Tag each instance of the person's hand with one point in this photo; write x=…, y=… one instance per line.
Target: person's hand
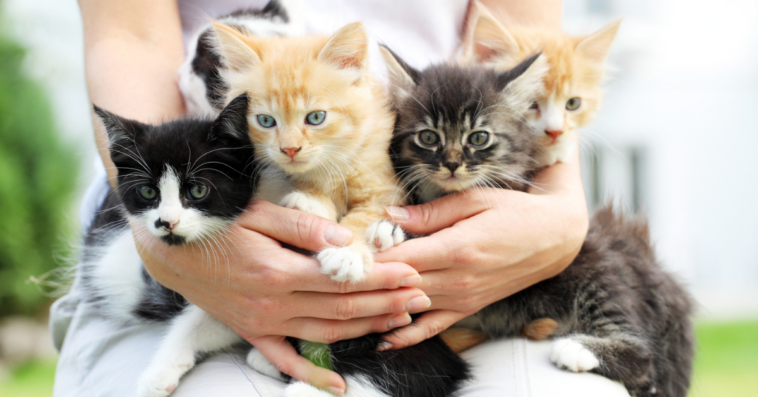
x=265, y=292
x=488, y=244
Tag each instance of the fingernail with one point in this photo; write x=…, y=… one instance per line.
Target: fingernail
x=411, y=281
x=383, y=346
x=418, y=303
x=337, y=235
x=335, y=390
x=397, y=213
x=400, y=320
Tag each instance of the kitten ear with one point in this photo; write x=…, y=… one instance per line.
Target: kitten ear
x=595, y=46
x=400, y=73
x=524, y=83
x=232, y=122
x=347, y=49
x=230, y=44
x=118, y=128
x=485, y=38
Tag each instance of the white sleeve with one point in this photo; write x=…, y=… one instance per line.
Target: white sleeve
x=94, y=195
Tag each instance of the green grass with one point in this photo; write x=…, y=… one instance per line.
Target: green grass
x=726, y=365
x=33, y=379
x=726, y=362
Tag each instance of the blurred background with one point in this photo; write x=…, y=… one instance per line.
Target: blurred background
x=673, y=139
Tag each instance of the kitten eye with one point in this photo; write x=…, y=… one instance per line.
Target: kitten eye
x=198, y=191
x=147, y=192
x=573, y=103
x=534, y=106
x=266, y=121
x=479, y=138
x=428, y=137
x=315, y=118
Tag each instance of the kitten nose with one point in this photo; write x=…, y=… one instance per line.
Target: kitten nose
x=452, y=166
x=291, y=151
x=554, y=134
x=168, y=225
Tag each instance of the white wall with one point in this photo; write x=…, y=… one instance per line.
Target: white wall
x=686, y=89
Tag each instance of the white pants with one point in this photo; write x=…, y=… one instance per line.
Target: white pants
x=98, y=359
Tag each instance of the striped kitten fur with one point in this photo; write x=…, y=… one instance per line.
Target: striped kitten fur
x=200, y=80
x=615, y=312
x=571, y=95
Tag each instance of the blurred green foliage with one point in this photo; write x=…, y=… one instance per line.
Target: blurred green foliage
x=32, y=379
x=726, y=360
x=37, y=181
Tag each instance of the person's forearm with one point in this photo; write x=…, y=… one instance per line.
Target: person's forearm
x=133, y=49
x=538, y=13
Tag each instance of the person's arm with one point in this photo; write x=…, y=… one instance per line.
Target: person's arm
x=133, y=49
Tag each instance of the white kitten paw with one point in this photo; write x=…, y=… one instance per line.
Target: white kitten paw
x=383, y=235
x=572, y=355
x=161, y=380
x=302, y=202
x=345, y=263
x=258, y=362
x=302, y=389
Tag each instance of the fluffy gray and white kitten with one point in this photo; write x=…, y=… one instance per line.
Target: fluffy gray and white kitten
x=199, y=78
x=613, y=311
x=181, y=182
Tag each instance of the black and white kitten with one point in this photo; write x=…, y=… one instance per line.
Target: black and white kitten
x=615, y=311
x=182, y=182
x=199, y=78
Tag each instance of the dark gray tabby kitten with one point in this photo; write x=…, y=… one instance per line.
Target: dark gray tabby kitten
x=615, y=311
x=181, y=182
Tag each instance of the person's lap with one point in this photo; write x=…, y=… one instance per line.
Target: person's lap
x=100, y=359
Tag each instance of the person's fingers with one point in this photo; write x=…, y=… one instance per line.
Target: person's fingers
x=438, y=251
x=424, y=327
x=330, y=331
x=285, y=358
x=301, y=229
x=382, y=276
x=359, y=304
x=445, y=211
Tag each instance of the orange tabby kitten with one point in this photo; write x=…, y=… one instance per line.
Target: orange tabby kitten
x=572, y=85
x=317, y=114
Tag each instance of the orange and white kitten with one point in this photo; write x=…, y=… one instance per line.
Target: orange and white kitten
x=572, y=85
x=317, y=114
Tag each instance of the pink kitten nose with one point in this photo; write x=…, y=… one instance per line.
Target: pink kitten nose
x=169, y=225
x=554, y=134
x=291, y=151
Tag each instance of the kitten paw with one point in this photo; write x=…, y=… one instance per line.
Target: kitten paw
x=302, y=389
x=258, y=362
x=345, y=263
x=572, y=355
x=383, y=235
x=302, y=202
x=161, y=380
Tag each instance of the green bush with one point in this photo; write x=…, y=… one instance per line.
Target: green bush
x=37, y=179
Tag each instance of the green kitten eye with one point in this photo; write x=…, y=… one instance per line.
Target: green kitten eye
x=198, y=191
x=428, y=137
x=315, y=118
x=147, y=192
x=573, y=103
x=479, y=138
x=266, y=121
